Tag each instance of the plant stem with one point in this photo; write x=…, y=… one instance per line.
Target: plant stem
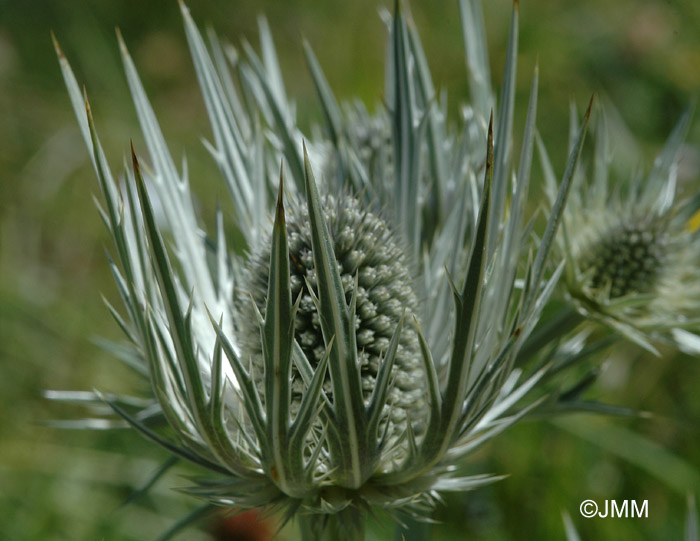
x=347, y=525
x=306, y=530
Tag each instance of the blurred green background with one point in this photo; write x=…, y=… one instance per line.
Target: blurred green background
x=55, y=485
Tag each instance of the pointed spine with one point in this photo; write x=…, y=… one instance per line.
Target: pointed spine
x=336, y=321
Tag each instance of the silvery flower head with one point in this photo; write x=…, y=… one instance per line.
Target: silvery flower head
x=363, y=341
x=632, y=244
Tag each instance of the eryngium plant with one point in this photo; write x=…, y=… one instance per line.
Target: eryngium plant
x=362, y=347
x=632, y=245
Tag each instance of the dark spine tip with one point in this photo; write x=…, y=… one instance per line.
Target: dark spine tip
x=308, y=180
x=280, y=195
x=134, y=160
x=489, y=143
x=488, y=173
x=516, y=5
x=57, y=47
x=590, y=107
x=122, y=43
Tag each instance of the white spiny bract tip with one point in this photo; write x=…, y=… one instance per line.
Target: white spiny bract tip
x=333, y=404
x=57, y=47
x=122, y=44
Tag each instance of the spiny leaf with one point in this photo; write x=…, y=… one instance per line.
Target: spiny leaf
x=336, y=321
x=381, y=388
x=278, y=335
x=558, y=208
x=182, y=338
x=470, y=298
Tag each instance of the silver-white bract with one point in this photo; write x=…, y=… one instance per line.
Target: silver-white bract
x=455, y=200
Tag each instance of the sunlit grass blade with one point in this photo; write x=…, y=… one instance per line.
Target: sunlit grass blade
x=570, y=529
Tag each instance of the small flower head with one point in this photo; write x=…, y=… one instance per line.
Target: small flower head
x=633, y=253
x=627, y=258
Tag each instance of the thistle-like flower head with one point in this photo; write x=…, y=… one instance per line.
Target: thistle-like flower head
x=633, y=249
x=628, y=258
x=374, y=275
x=365, y=344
